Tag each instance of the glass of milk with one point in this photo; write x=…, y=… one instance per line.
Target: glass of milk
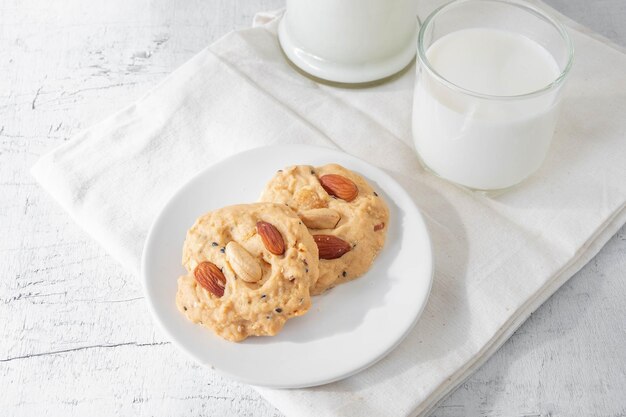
x=349, y=41
x=489, y=80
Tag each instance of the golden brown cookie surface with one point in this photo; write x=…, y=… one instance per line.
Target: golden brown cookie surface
x=346, y=217
x=250, y=269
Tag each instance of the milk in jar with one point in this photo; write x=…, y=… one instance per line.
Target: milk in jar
x=350, y=41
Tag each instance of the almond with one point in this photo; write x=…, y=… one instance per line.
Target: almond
x=321, y=218
x=243, y=263
x=272, y=239
x=211, y=278
x=378, y=227
x=339, y=186
x=331, y=247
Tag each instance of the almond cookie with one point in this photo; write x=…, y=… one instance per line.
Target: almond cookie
x=346, y=217
x=250, y=268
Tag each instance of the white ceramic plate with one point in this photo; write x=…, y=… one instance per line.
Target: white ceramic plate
x=346, y=330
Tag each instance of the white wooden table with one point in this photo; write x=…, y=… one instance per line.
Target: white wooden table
x=77, y=338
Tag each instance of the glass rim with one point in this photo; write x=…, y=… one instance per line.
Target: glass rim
x=421, y=52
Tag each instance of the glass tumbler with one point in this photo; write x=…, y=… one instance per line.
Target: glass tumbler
x=490, y=77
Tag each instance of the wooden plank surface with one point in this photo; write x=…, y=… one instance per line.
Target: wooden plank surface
x=77, y=338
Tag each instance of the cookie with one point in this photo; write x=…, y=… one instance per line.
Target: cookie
x=346, y=217
x=250, y=269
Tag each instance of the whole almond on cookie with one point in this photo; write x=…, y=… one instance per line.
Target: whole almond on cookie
x=272, y=239
x=243, y=263
x=321, y=218
x=331, y=247
x=339, y=186
x=211, y=278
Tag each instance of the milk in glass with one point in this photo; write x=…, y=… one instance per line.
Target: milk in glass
x=473, y=128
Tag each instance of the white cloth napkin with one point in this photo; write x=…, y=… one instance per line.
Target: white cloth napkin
x=497, y=259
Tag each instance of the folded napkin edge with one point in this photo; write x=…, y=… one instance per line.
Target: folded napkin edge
x=584, y=256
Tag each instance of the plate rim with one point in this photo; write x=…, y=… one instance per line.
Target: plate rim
x=251, y=381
